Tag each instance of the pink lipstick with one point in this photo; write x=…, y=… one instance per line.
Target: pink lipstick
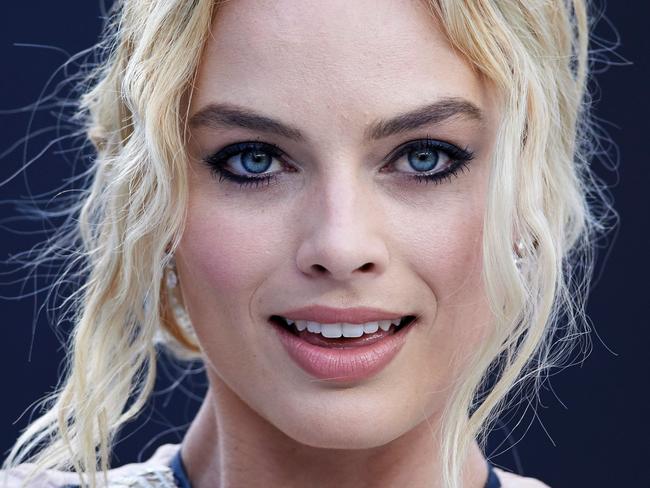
x=343, y=359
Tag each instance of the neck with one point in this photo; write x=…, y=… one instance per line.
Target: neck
x=230, y=445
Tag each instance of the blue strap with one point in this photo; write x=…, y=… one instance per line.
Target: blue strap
x=492, y=481
x=180, y=473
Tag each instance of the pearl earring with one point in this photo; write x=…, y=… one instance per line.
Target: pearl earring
x=180, y=314
x=518, y=254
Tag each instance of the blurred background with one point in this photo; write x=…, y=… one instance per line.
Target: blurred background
x=591, y=428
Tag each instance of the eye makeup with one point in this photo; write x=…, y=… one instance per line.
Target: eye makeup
x=235, y=162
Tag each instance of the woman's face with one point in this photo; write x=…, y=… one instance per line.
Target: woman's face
x=350, y=93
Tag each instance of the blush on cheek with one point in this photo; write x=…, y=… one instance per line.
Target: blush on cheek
x=463, y=318
x=461, y=269
x=451, y=264
x=220, y=252
x=450, y=255
x=231, y=245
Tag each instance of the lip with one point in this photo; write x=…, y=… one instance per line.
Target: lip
x=343, y=365
x=330, y=315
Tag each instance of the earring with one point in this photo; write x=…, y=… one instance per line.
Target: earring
x=178, y=310
x=518, y=253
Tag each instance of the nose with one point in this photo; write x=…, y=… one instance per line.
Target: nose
x=342, y=233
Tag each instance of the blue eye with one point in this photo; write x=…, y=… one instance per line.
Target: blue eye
x=422, y=160
x=431, y=159
x=243, y=157
x=255, y=161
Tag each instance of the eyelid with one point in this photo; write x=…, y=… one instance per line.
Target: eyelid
x=235, y=148
x=238, y=147
x=454, y=151
x=458, y=159
x=221, y=156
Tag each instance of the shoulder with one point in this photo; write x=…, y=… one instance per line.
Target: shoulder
x=512, y=480
x=155, y=470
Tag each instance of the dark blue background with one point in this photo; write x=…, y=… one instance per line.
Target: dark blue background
x=589, y=430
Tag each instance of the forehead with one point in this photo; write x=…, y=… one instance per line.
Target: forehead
x=325, y=63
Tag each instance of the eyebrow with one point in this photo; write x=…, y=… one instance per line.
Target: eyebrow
x=225, y=115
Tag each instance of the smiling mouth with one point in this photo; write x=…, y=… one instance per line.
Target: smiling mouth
x=314, y=333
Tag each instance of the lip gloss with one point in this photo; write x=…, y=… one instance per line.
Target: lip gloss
x=343, y=364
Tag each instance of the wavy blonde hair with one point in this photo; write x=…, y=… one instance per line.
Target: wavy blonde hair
x=129, y=222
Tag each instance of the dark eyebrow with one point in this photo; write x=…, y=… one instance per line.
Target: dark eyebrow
x=219, y=115
x=433, y=113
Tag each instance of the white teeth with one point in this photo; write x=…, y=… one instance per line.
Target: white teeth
x=371, y=327
x=353, y=330
x=314, y=327
x=385, y=324
x=344, y=329
x=331, y=331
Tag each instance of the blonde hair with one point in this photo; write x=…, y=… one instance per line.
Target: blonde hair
x=131, y=218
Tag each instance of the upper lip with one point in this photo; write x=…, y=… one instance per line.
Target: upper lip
x=330, y=315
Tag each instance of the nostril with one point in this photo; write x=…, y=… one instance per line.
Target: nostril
x=366, y=267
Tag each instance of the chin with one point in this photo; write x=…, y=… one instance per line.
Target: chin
x=338, y=431
x=350, y=438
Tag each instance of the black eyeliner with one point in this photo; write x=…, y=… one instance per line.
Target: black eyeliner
x=216, y=162
x=459, y=160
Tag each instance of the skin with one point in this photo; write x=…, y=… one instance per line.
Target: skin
x=333, y=229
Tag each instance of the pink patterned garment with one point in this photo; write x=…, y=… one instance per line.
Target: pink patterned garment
x=153, y=473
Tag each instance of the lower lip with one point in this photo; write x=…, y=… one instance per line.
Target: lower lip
x=342, y=365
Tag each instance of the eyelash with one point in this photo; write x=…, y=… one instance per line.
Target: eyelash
x=458, y=160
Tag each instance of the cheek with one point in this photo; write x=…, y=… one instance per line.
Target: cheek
x=457, y=281
x=450, y=254
x=445, y=252
x=452, y=269
x=227, y=250
x=225, y=256
x=462, y=321
x=441, y=242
